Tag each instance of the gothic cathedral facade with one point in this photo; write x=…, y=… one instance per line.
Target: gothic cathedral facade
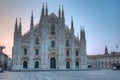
x=49, y=45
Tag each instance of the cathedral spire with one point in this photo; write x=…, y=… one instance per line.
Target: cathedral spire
x=59, y=12
x=62, y=12
x=72, y=25
x=72, y=28
x=20, y=32
x=42, y=13
x=82, y=33
x=106, y=50
x=46, y=10
x=16, y=26
x=32, y=21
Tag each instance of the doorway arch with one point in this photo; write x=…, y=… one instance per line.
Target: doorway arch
x=77, y=64
x=67, y=65
x=36, y=64
x=53, y=63
x=25, y=64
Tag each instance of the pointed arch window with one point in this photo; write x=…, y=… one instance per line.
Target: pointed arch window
x=37, y=41
x=52, y=29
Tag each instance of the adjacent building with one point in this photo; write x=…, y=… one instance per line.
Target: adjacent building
x=4, y=59
x=104, y=61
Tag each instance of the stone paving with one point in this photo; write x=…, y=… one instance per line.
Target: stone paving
x=62, y=75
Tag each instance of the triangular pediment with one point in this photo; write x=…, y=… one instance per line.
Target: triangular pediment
x=52, y=15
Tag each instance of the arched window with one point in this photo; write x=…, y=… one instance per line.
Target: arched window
x=25, y=51
x=67, y=42
x=67, y=53
x=37, y=41
x=52, y=29
x=37, y=51
x=53, y=44
x=76, y=53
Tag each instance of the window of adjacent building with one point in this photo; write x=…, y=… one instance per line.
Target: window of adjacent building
x=53, y=44
x=53, y=30
x=67, y=53
x=67, y=42
x=76, y=53
x=37, y=41
x=25, y=51
x=37, y=51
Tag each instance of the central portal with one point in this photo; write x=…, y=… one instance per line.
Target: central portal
x=53, y=63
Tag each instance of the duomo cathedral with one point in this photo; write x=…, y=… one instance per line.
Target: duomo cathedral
x=49, y=45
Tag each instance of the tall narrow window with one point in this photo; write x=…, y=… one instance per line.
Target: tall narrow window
x=37, y=41
x=53, y=44
x=52, y=29
x=67, y=53
x=25, y=51
x=37, y=51
x=67, y=42
x=76, y=53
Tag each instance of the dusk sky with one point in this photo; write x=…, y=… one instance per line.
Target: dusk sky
x=101, y=19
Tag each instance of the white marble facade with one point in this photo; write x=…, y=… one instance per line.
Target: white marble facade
x=50, y=44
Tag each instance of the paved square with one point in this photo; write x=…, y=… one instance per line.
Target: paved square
x=62, y=75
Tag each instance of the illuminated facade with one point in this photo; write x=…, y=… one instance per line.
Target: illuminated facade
x=50, y=44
